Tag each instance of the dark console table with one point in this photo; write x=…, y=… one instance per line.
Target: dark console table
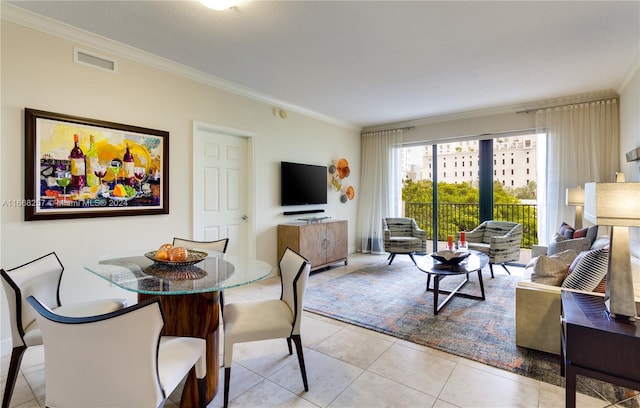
x=597, y=346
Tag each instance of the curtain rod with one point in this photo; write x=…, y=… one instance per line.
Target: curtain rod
x=568, y=104
x=387, y=130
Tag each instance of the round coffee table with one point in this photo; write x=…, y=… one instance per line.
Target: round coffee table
x=473, y=263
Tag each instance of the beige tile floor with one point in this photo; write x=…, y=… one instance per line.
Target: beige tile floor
x=347, y=366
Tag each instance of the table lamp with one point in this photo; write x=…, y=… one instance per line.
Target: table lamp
x=617, y=205
x=575, y=197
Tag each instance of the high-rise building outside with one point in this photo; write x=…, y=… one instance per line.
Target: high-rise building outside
x=514, y=162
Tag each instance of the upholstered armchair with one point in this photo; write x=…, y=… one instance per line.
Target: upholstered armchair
x=500, y=240
x=402, y=236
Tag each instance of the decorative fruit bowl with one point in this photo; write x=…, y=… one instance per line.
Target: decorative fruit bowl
x=165, y=271
x=193, y=257
x=450, y=257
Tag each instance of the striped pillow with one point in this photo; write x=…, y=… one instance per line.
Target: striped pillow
x=587, y=270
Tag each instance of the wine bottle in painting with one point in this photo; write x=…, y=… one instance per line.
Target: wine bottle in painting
x=128, y=168
x=91, y=161
x=77, y=166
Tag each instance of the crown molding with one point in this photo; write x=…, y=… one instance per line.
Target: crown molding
x=17, y=15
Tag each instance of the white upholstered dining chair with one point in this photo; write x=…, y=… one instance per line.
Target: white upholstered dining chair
x=269, y=319
x=40, y=277
x=117, y=359
x=219, y=245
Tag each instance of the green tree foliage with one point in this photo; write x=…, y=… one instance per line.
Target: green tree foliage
x=458, y=207
x=420, y=191
x=527, y=192
x=502, y=195
x=457, y=193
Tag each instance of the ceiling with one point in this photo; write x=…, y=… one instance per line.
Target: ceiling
x=366, y=63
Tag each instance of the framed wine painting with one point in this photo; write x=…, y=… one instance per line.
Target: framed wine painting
x=82, y=168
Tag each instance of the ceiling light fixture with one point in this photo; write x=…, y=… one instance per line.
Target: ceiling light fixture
x=219, y=4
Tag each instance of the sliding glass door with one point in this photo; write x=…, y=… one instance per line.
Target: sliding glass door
x=515, y=183
x=455, y=186
x=441, y=189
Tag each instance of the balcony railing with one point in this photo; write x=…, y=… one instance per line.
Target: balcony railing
x=455, y=217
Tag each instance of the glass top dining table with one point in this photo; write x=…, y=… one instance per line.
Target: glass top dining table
x=190, y=298
x=216, y=272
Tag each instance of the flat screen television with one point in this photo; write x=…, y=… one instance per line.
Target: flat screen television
x=302, y=184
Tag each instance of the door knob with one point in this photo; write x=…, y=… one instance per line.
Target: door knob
x=244, y=218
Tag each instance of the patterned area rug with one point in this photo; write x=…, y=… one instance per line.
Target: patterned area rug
x=392, y=300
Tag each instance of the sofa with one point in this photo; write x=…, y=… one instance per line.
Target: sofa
x=550, y=268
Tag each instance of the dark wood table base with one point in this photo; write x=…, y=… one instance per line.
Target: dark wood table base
x=455, y=292
x=194, y=315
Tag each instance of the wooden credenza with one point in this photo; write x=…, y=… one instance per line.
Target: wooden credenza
x=322, y=243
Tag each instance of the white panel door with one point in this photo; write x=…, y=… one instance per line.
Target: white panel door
x=221, y=187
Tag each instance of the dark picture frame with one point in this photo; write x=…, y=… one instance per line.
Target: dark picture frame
x=98, y=180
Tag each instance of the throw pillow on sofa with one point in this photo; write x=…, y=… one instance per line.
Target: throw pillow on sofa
x=561, y=244
x=588, y=270
x=568, y=232
x=569, y=238
x=551, y=270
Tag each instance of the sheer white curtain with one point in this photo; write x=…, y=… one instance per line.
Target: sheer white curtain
x=380, y=187
x=583, y=145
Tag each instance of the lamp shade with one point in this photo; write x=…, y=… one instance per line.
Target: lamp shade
x=575, y=196
x=612, y=204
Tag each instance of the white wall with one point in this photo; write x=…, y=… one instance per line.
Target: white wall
x=630, y=125
x=472, y=127
x=630, y=139
x=464, y=126
x=38, y=72
x=630, y=133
